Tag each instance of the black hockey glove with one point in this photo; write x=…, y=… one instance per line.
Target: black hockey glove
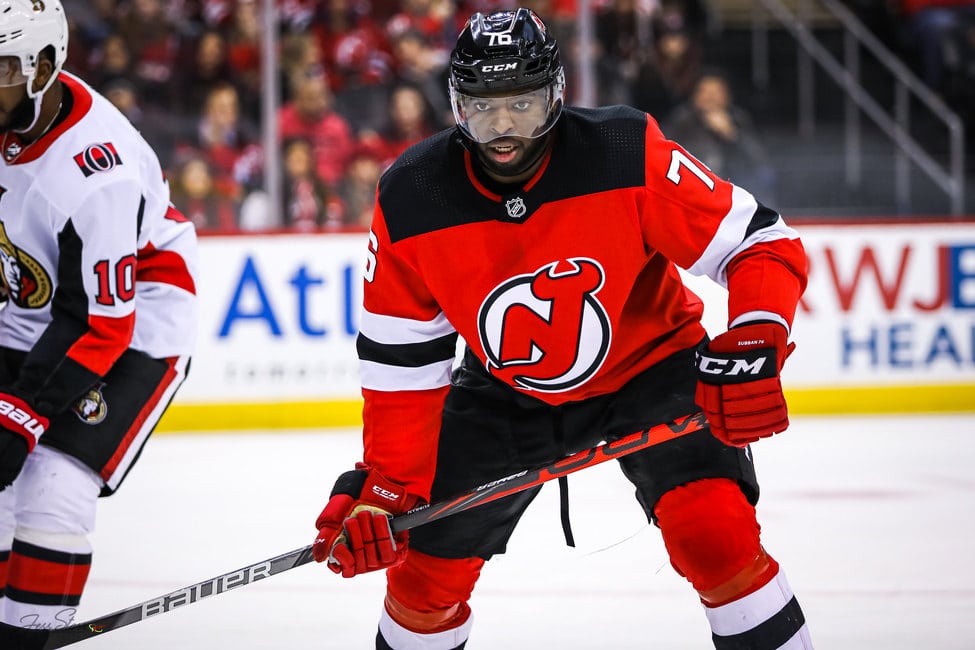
x=20, y=429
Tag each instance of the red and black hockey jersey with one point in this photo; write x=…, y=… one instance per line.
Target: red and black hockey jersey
x=564, y=287
x=95, y=260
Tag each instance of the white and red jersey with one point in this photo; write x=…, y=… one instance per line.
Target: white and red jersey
x=565, y=287
x=95, y=260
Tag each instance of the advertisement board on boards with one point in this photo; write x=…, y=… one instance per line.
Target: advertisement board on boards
x=887, y=323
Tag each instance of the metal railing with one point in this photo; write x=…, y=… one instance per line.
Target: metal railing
x=895, y=124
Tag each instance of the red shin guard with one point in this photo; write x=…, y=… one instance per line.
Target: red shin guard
x=712, y=536
x=426, y=594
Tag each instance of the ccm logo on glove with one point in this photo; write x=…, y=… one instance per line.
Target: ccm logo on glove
x=385, y=494
x=738, y=384
x=354, y=530
x=733, y=368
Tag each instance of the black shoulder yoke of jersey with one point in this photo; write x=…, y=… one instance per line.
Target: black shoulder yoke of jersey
x=596, y=150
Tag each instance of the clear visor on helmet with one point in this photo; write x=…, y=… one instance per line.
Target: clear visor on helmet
x=528, y=115
x=10, y=72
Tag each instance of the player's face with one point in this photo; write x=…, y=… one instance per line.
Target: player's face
x=16, y=108
x=10, y=72
x=488, y=118
x=510, y=133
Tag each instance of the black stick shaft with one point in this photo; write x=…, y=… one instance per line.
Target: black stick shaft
x=51, y=639
x=524, y=480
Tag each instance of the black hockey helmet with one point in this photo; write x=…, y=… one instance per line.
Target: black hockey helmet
x=506, y=54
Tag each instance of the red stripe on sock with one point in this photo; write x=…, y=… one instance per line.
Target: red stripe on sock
x=4, y=567
x=46, y=577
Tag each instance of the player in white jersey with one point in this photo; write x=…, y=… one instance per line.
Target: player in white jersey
x=100, y=314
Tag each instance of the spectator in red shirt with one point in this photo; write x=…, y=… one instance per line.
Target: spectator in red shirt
x=308, y=205
x=197, y=196
x=310, y=115
x=228, y=143
x=341, y=27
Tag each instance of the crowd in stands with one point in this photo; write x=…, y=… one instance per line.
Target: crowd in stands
x=360, y=81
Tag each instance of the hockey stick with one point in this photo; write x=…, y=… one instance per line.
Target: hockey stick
x=29, y=639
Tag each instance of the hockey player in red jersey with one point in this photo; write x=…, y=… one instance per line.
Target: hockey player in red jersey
x=548, y=238
x=98, y=278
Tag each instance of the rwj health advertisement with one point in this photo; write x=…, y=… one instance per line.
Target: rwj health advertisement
x=887, y=324
x=888, y=320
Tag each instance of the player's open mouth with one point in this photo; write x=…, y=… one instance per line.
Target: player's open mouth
x=503, y=152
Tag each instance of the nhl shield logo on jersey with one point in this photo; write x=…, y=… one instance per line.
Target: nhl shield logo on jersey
x=97, y=158
x=12, y=150
x=92, y=409
x=547, y=331
x=25, y=282
x=516, y=207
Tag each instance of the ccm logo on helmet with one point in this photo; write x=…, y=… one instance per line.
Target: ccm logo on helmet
x=500, y=67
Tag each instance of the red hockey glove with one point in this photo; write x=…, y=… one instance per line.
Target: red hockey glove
x=20, y=429
x=738, y=384
x=354, y=533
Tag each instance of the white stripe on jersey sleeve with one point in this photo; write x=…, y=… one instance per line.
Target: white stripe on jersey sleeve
x=381, y=376
x=729, y=240
x=392, y=330
x=757, y=315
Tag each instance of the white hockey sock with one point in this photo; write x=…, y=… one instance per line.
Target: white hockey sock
x=400, y=638
x=767, y=619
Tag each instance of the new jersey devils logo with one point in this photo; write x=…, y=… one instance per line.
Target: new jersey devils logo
x=547, y=331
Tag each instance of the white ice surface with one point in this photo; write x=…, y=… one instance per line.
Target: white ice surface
x=870, y=517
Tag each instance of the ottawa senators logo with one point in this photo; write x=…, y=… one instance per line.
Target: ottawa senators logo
x=97, y=158
x=25, y=282
x=91, y=409
x=547, y=331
